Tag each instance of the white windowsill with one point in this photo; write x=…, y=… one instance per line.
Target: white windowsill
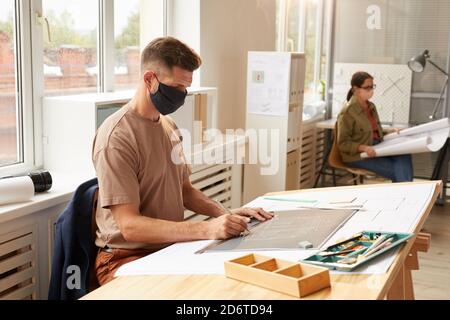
x=64, y=185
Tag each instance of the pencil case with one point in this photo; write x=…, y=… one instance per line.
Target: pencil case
x=350, y=254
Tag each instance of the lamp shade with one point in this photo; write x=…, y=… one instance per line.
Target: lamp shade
x=418, y=63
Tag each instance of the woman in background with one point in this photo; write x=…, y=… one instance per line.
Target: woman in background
x=359, y=129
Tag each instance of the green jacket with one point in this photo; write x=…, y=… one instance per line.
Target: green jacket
x=354, y=129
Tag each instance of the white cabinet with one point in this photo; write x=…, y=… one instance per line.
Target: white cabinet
x=275, y=89
x=69, y=126
x=70, y=123
x=312, y=152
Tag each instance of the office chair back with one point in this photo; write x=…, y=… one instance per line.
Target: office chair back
x=93, y=283
x=74, y=246
x=335, y=159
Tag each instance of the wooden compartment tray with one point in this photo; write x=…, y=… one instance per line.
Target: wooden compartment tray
x=287, y=277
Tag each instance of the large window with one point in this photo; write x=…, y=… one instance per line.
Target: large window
x=294, y=27
x=54, y=48
x=127, y=43
x=70, y=55
x=9, y=103
x=305, y=25
x=392, y=32
x=311, y=36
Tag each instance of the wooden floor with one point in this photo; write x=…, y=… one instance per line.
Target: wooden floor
x=432, y=281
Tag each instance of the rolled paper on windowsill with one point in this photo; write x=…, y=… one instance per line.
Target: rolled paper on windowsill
x=14, y=190
x=22, y=188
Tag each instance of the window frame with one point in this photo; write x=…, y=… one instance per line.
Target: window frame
x=282, y=44
x=28, y=42
x=24, y=92
x=106, y=44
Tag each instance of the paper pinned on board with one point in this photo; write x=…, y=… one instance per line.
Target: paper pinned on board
x=268, y=83
x=429, y=137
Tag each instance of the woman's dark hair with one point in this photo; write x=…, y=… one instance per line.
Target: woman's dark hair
x=357, y=81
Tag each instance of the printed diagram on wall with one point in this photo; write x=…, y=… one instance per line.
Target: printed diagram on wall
x=392, y=95
x=268, y=83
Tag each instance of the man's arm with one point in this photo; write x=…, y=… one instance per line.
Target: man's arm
x=198, y=202
x=138, y=228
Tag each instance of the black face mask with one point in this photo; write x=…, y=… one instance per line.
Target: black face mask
x=167, y=99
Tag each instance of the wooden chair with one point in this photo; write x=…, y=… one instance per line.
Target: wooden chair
x=335, y=162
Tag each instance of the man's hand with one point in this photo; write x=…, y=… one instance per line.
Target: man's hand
x=232, y=225
x=226, y=226
x=257, y=213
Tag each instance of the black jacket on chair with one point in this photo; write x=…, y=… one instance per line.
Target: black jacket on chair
x=73, y=246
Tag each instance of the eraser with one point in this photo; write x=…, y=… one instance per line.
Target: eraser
x=305, y=245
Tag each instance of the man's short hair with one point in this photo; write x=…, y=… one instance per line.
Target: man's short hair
x=169, y=52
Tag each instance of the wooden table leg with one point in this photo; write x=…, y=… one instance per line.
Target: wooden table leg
x=397, y=291
x=409, y=286
x=402, y=287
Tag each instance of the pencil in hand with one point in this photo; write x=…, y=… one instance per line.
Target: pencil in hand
x=247, y=232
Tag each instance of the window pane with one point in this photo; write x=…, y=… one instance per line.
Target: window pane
x=408, y=27
x=70, y=58
x=324, y=50
x=293, y=25
x=8, y=99
x=126, y=36
x=310, y=49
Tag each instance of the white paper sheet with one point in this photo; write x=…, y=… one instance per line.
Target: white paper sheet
x=429, y=137
x=268, y=83
x=394, y=208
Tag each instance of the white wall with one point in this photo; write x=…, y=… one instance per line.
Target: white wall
x=407, y=28
x=184, y=18
x=184, y=24
x=152, y=21
x=223, y=32
x=229, y=30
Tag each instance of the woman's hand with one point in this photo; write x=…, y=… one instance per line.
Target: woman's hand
x=367, y=149
x=394, y=130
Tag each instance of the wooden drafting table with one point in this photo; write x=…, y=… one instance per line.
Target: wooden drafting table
x=395, y=284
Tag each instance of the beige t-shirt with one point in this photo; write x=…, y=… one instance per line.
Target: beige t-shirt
x=132, y=156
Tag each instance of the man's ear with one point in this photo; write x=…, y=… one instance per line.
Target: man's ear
x=149, y=79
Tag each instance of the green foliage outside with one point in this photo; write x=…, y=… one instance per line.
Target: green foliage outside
x=8, y=26
x=130, y=34
x=62, y=31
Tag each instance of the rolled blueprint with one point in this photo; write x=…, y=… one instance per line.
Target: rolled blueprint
x=18, y=189
x=423, y=128
x=419, y=143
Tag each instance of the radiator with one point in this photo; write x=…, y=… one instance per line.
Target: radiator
x=18, y=264
x=215, y=182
